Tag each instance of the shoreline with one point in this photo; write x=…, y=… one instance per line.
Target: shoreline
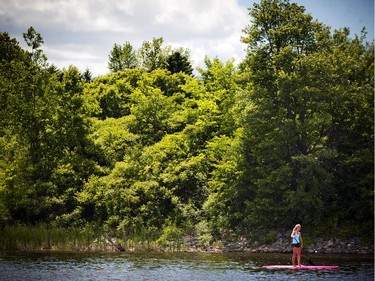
x=89, y=240
x=318, y=246
x=352, y=246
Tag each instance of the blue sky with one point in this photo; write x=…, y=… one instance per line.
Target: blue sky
x=83, y=32
x=354, y=14
x=337, y=14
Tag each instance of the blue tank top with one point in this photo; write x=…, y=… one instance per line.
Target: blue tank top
x=296, y=238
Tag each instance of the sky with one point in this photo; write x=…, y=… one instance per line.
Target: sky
x=83, y=32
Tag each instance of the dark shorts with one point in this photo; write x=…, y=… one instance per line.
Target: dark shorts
x=296, y=245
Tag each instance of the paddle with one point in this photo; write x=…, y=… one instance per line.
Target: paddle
x=309, y=259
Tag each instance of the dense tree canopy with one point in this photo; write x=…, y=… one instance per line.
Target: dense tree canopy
x=284, y=137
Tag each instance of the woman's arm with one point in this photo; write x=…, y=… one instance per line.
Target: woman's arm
x=300, y=240
x=292, y=234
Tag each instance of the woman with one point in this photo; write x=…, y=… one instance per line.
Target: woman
x=297, y=244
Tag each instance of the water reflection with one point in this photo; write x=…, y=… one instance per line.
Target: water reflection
x=174, y=266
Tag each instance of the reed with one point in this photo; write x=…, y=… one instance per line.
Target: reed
x=139, y=239
x=44, y=237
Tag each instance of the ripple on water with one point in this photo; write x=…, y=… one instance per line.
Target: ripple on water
x=172, y=266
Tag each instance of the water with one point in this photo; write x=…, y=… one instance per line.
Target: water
x=175, y=266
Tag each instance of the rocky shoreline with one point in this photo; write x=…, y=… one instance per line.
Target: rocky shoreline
x=282, y=245
x=321, y=246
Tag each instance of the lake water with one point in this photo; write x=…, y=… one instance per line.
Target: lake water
x=175, y=266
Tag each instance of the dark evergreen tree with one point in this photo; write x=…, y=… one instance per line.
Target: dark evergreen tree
x=87, y=75
x=176, y=62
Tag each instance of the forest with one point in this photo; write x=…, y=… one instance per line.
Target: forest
x=152, y=148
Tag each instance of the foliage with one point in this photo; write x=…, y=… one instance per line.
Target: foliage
x=122, y=57
x=153, y=153
x=44, y=237
x=177, y=62
x=34, y=40
x=297, y=99
x=152, y=55
x=171, y=236
x=43, y=137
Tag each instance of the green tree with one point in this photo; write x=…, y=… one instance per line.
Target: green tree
x=153, y=54
x=176, y=62
x=225, y=204
x=351, y=132
x=109, y=96
x=15, y=111
x=122, y=57
x=34, y=40
x=42, y=136
x=279, y=24
x=151, y=112
x=291, y=69
x=149, y=178
x=113, y=139
x=87, y=75
x=221, y=83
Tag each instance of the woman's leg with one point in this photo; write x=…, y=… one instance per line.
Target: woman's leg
x=294, y=256
x=299, y=256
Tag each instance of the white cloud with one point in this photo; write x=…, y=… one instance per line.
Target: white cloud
x=69, y=52
x=82, y=32
x=210, y=18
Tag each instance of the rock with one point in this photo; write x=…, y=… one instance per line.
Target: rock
x=280, y=245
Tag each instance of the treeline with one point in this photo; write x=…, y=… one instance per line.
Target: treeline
x=151, y=56
x=284, y=137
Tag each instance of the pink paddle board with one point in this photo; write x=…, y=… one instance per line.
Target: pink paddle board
x=309, y=267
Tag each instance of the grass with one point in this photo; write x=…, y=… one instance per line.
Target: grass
x=43, y=237
x=151, y=239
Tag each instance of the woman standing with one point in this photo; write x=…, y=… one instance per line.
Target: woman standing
x=297, y=244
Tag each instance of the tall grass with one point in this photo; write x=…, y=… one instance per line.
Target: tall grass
x=44, y=237
x=139, y=239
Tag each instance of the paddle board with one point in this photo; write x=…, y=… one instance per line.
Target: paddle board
x=309, y=267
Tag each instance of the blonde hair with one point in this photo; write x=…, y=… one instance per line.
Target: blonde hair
x=297, y=225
